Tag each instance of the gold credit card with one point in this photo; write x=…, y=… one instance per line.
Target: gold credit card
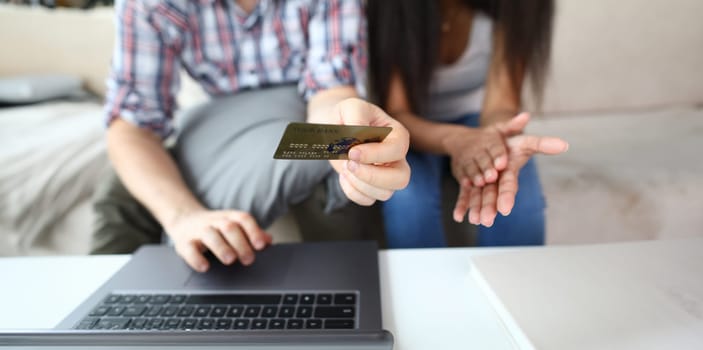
x=325, y=141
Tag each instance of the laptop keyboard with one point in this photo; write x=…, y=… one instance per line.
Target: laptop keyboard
x=167, y=312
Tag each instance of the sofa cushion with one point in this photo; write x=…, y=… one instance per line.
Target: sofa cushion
x=52, y=156
x=37, y=88
x=626, y=176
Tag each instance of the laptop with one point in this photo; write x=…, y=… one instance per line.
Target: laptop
x=295, y=296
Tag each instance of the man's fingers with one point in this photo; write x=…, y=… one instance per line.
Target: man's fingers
x=192, y=255
x=258, y=237
x=352, y=193
x=355, y=111
x=366, y=188
x=393, y=176
x=214, y=241
x=235, y=237
x=393, y=148
x=507, y=190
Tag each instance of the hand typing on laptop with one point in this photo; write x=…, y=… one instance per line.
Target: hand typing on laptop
x=230, y=235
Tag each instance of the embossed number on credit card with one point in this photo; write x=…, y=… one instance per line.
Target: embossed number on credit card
x=325, y=141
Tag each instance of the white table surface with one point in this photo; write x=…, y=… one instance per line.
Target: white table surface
x=429, y=299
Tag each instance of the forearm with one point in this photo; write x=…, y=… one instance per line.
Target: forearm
x=502, y=101
x=503, y=91
x=148, y=172
x=426, y=135
x=498, y=114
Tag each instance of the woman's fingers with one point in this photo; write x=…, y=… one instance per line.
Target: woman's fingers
x=462, y=203
x=475, y=205
x=468, y=169
x=488, y=204
x=514, y=126
x=507, y=190
x=499, y=154
x=531, y=144
x=484, y=162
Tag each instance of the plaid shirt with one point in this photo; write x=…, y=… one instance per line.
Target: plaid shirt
x=317, y=43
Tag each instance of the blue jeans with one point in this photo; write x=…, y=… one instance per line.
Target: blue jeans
x=413, y=216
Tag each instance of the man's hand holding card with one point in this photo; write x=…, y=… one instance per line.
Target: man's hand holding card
x=374, y=170
x=364, y=145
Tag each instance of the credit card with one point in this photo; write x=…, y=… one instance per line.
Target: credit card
x=325, y=141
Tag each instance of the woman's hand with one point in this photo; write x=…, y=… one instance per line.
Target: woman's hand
x=479, y=155
x=230, y=235
x=484, y=203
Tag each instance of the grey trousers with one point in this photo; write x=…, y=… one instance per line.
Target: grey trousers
x=225, y=153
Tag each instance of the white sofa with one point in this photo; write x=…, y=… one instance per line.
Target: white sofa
x=626, y=91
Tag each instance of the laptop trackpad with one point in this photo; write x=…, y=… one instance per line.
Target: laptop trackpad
x=270, y=269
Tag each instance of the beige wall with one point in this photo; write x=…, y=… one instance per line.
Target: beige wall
x=37, y=40
x=620, y=54
x=608, y=54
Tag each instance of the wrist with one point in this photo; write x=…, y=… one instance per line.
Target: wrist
x=453, y=136
x=491, y=117
x=174, y=215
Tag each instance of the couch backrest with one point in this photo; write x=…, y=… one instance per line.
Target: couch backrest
x=626, y=54
x=608, y=54
x=37, y=40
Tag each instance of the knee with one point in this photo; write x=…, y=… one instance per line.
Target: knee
x=293, y=179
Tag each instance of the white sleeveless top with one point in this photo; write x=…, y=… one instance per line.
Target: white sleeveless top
x=458, y=89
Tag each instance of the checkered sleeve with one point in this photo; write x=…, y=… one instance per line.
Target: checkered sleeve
x=144, y=74
x=337, y=47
